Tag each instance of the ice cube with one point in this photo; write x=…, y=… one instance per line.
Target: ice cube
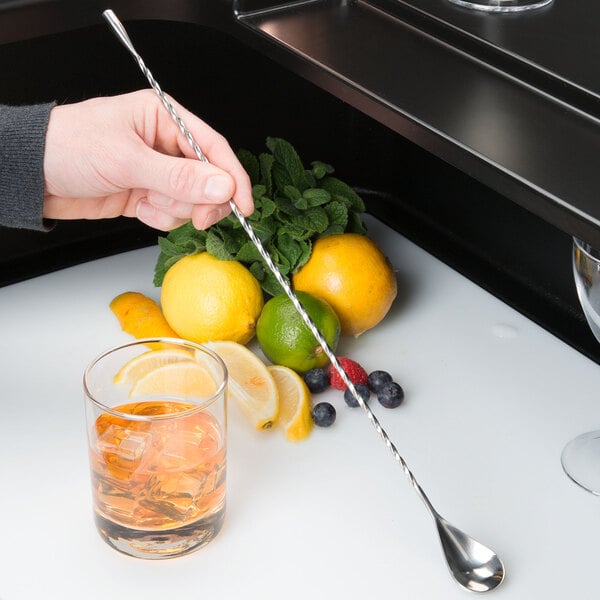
x=123, y=448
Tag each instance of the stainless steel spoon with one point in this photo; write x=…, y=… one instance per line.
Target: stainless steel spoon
x=474, y=566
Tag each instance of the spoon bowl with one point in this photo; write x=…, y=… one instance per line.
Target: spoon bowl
x=473, y=565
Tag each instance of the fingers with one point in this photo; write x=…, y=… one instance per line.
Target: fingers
x=155, y=218
x=205, y=216
x=202, y=215
x=182, y=179
x=218, y=152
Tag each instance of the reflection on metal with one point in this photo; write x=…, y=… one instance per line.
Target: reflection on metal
x=502, y=5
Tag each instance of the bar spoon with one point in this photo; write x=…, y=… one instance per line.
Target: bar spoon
x=474, y=566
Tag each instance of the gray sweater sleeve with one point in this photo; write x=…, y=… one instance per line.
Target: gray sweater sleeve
x=22, y=141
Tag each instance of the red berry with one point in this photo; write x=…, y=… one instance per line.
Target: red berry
x=354, y=371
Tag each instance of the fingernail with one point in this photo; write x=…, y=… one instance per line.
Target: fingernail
x=162, y=201
x=214, y=216
x=145, y=211
x=217, y=188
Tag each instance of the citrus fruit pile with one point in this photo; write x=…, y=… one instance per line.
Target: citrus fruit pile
x=347, y=286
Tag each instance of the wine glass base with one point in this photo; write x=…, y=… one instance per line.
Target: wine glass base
x=501, y=5
x=581, y=461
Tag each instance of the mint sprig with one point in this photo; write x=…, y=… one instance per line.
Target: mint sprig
x=293, y=206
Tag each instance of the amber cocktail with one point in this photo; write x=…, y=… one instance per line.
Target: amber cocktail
x=156, y=414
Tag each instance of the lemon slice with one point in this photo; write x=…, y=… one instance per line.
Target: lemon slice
x=181, y=379
x=142, y=364
x=294, y=403
x=250, y=383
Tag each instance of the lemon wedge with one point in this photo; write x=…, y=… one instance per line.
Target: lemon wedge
x=142, y=364
x=294, y=403
x=181, y=379
x=250, y=383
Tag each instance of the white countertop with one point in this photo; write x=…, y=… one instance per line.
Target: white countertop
x=491, y=399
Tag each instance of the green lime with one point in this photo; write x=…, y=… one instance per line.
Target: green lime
x=285, y=338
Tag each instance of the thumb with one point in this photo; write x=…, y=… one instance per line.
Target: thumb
x=183, y=179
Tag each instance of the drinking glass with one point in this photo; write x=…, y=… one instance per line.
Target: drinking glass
x=502, y=5
x=156, y=422
x=581, y=456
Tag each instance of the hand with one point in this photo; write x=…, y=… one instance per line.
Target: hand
x=124, y=155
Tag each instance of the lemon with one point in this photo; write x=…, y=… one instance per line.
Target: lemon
x=294, y=403
x=142, y=364
x=140, y=316
x=204, y=298
x=350, y=272
x=250, y=383
x=180, y=379
x=286, y=340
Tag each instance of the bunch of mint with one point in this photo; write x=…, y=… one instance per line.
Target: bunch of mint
x=293, y=207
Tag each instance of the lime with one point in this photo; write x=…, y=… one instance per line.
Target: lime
x=286, y=340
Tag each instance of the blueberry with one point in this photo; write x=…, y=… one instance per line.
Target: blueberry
x=377, y=379
x=323, y=414
x=363, y=391
x=390, y=395
x=317, y=380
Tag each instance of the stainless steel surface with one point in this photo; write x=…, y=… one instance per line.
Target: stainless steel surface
x=512, y=100
x=492, y=94
x=474, y=566
x=502, y=5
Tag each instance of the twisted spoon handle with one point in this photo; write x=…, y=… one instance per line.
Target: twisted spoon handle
x=119, y=31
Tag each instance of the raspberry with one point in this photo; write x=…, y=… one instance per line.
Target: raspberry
x=354, y=371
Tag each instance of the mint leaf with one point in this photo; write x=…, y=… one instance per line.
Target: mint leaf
x=337, y=214
x=250, y=164
x=286, y=207
x=316, y=196
x=356, y=224
x=168, y=247
x=306, y=249
x=320, y=169
x=287, y=167
x=291, y=249
x=258, y=191
x=163, y=264
x=292, y=192
x=257, y=269
x=338, y=188
x=314, y=219
x=270, y=284
x=216, y=246
x=265, y=230
x=266, y=165
x=301, y=203
x=268, y=207
x=248, y=253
